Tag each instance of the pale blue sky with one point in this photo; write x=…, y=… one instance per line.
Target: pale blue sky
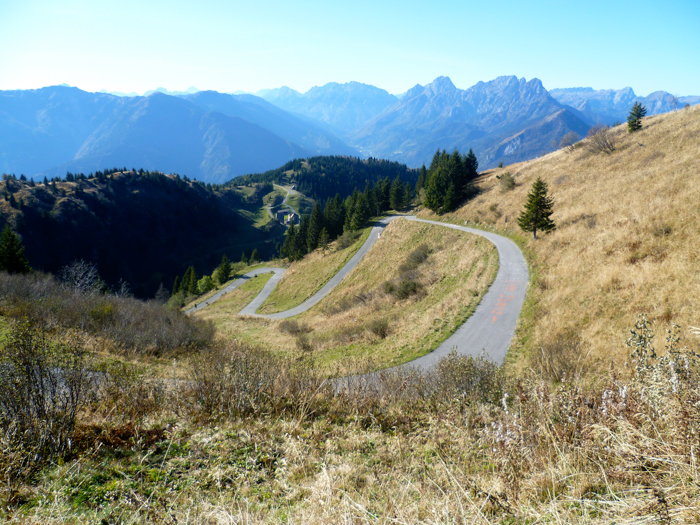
x=232, y=45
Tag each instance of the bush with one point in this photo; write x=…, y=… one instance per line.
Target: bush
x=559, y=358
x=379, y=327
x=230, y=380
x=415, y=259
x=600, y=140
x=347, y=239
x=507, y=181
x=205, y=284
x=43, y=385
x=290, y=326
x=469, y=378
x=132, y=324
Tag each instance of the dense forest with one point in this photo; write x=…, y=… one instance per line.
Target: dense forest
x=322, y=177
x=140, y=227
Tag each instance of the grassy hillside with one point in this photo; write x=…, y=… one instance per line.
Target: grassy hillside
x=628, y=231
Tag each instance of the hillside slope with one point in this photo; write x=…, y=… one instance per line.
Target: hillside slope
x=628, y=231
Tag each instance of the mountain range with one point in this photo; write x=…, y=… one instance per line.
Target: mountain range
x=215, y=136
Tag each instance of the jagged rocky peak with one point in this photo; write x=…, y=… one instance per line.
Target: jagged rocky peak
x=441, y=86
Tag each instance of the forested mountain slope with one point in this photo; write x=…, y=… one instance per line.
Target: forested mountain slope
x=144, y=228
x=322, y=177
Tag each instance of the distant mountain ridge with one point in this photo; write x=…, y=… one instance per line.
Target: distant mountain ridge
x=343, y=106
x=211, y=136
x=507, y=119
x=607, y=106
x=215, y=136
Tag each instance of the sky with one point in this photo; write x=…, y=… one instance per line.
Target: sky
x=232, y=45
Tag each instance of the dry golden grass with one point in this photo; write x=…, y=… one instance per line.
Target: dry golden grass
x=458, y=272
x=304, y=278
x=628, y=231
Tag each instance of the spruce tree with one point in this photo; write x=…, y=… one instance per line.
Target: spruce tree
x=472, y=165
x=224, y=270
x=176, y=285
x=436, y=190
x=287, y=249
x=360, y=214
x=634, y=120
x=323, y=240
x=254, y=256
x=396, y=194
x=192, y=281
x=315, y=227
x=538, y=209
x=421, y=182
x=12, y=257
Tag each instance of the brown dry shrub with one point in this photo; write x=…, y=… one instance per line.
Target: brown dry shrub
x=559, y=357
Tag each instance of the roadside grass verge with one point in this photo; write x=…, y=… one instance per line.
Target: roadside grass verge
x=306, y=277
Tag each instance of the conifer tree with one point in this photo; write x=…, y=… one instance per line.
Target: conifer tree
x=420, y=183
x=299, y=247
x=254, y=256
x=472, y=165
x=360, y=213
x=191, y=281
x=634, y=120
x=224, y=270
x=396, y=194
x=323, y=240
x=538, y=209
x=436, y=190
x=176, y=285
x=12, y=257
x=315, y=227
x=407, y=196
x=287, y=249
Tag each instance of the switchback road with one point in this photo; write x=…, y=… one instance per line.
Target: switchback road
x=488, y=331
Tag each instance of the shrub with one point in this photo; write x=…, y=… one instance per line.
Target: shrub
x=415, y=258
x=291, y=326
x=379, y=327
x=600, y=140
x=469, y=378
x=133, y=325
x=507, y=181
x=559, y=358
x=230, y=380
x=43, y=385
x=568, y=141
x=347, y=239
x=205, y=284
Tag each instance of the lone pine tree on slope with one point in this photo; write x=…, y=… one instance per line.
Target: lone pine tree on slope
x=538, y=209
x=634, y=120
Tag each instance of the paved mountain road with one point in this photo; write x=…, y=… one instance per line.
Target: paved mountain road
x=488, y=331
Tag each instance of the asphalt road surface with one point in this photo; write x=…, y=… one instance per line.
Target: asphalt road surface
x=487, y=332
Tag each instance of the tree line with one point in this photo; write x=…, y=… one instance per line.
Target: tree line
x=320, y=178
x=446, y=183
